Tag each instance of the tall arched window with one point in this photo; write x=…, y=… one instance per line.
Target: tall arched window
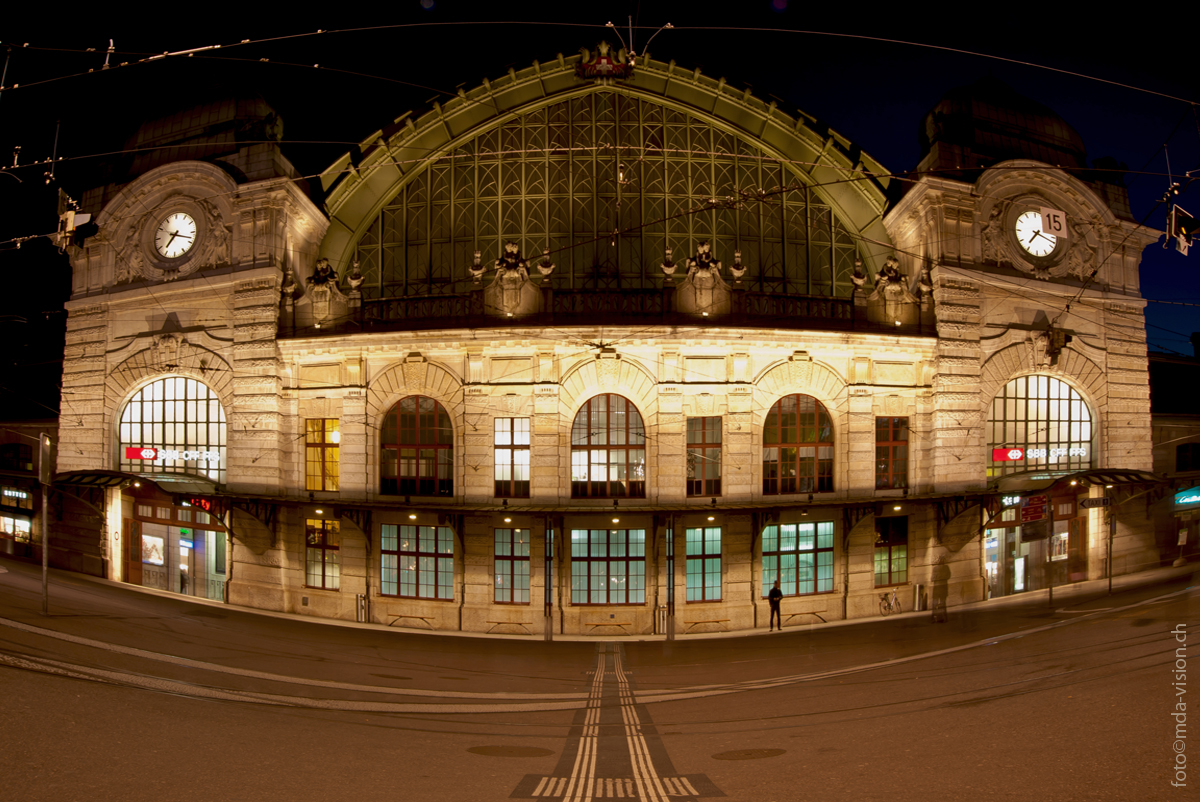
x=174, y=425
x=416, y=454
x=797, y=447
x=608, y=450
x=1039, y=422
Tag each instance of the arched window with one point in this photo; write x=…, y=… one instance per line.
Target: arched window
x=797, y=447
x=416, y=454
x=174, y=425
x=1039, y=422
x=608, y=450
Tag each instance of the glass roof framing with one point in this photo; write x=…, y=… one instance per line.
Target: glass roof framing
x=606, y=181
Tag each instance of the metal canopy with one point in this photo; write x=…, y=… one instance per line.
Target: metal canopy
x=189, y=485
x=1030, y=481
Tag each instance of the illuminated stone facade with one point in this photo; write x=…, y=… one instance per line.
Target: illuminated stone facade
x=676, y=245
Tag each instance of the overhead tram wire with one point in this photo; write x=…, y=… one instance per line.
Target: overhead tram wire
x=743, y=195
x=737, y=197
x=679, y=29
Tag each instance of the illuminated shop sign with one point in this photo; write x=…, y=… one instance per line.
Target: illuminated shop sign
x=1189, y=496
x=1054, y=454
x=1010, y=501
x=161, y=454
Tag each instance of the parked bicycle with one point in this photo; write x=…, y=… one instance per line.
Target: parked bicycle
x=888, y=603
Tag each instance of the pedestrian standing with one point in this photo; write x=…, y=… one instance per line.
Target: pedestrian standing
x=774, y=598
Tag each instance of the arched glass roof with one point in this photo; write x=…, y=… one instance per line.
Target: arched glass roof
x=605, y=175
x=606, y=182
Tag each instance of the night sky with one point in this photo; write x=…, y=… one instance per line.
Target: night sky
x=379, y=61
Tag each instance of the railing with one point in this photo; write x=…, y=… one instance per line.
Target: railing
x=634, y=307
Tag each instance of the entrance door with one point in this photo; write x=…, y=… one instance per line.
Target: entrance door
x=156, y=558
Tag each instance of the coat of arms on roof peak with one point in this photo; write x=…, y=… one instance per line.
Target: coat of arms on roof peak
x=604, y=63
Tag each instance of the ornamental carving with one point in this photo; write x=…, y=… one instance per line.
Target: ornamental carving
x=892, y=302
x=800, y=369
x=992, y=236
x=607, y=368
x=328, y=301
x=511, y=293
x=133, y=246
x=1073, y=257
x=1037, y=350
x=168, y=350
x=414, y=369
x=604, y=63
x=703, y=292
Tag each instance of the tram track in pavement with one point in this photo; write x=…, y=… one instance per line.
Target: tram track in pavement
x=449, y=701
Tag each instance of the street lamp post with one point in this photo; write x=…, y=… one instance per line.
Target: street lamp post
x=44, y=478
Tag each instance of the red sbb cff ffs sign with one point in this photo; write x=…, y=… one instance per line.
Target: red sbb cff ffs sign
x=1007, y=454
x=137, y=452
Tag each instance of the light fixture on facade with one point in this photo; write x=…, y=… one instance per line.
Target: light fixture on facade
x=897, y=322
x=616, y=520
x=508, y=520
x=412, y=516
x=319, y=512
x=1108, y=487
x=712, y=517
x=1074, y=482
x=896, y=508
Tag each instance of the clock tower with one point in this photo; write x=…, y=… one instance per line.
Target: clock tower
x=1033, y=257
x=199, y=228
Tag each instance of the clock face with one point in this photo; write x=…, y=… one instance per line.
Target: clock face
x=1028, y=229
x=175, y=235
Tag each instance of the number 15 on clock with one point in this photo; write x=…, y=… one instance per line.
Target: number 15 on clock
x=1054, y=222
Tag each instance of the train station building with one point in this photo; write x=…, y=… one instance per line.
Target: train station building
x=604, y=348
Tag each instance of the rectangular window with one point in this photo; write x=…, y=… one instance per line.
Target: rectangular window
x=608, y=566
x=704, y=456
x=891, y=453
x=14, y=528
x=1187, y=457
x=891, y=551
x=512, y=457
x=512, y=566
x=417, y=561
x=321, y=559
x=800, y=556
x=704, y=564
x=16, y=497
x=16, y=457
x=322, y=438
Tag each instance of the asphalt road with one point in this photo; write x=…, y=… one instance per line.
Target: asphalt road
x=125, y=695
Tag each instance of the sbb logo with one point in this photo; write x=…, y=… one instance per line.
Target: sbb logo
x=1007, y=454
x=137, y=452
x=1014, y=453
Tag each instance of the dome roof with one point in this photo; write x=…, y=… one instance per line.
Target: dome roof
x=975, y=126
